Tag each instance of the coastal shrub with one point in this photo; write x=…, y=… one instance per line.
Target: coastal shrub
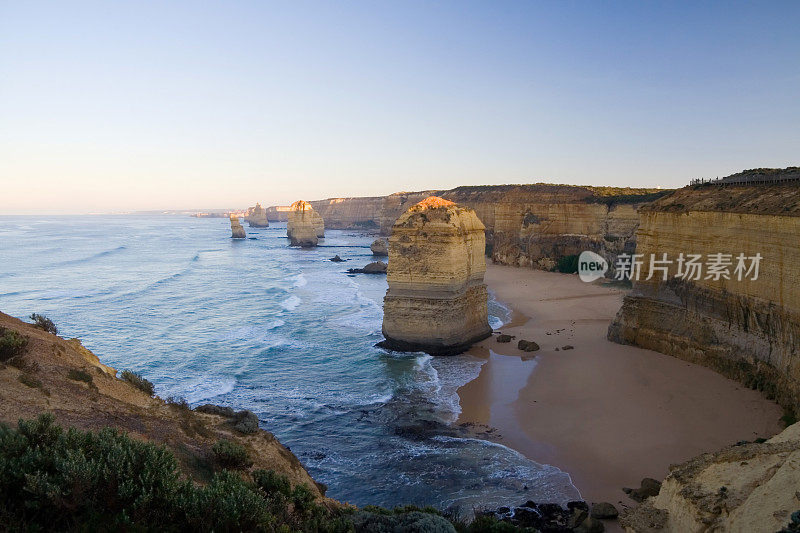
x=138, y=381
x=272, y=483
x=490, y=524
x=42, y=322
x=53, y=479
x=176, y=401
x=228, y=503
x=230, y=454
x=29, y=381
x=567, y=264
x=80, y=375
x=368, y=520
x=11, y=344
x=303, y=498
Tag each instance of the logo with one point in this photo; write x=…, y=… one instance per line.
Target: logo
x=591, y=266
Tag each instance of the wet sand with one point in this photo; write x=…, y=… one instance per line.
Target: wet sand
x=607, y=414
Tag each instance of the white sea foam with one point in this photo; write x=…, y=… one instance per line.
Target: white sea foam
x=291, y=303
x=300, y=280
x=499, y=313
x=206, y=389
x=451, y=373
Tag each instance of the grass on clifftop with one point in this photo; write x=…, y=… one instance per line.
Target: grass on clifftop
x=53, y=479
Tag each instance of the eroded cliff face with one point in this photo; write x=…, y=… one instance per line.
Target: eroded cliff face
x=436, y=301
x=747, y=488
x=747, y=329
x=526, y=225
x=304, y=225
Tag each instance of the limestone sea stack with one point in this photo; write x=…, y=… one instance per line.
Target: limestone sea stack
x=302, y=225
x=436, y=301
x=237, y=230
x=257, y=217
x=380, y=247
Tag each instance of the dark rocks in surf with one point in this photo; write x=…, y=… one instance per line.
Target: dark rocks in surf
x=336, y=259
x=549, y=517
x=504, y=338
x=378, y=267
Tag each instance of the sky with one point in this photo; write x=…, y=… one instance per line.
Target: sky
x=116, y=106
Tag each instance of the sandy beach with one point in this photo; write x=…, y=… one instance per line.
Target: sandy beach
x=607, y=414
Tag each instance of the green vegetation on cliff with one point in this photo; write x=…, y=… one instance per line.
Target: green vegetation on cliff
x=72, y=480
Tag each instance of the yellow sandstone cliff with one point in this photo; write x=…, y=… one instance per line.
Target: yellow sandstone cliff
x=745, y=488
x=436, y=300
x=526, y=225
x=747, y=329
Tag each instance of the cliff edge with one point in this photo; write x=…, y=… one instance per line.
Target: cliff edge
x=737, y=310
x=62, y=377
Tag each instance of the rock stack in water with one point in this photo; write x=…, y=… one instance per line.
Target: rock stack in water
x=380, y=247
x=237, y=230
x=257, y=217
x=302, y=226
x=436, y=301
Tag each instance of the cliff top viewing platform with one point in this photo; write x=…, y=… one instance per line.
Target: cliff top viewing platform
x=754, y=176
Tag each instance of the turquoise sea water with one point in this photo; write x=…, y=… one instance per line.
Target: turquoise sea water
x=281, y=331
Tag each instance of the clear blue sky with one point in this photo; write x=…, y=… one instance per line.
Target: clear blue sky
x=134, y=105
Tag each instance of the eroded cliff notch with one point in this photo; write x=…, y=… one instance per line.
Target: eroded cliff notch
x=304, y=226
x=436, y=300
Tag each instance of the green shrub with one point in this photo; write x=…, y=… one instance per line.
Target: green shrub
x=490, y=524
x=178, y=402
x=56, y=480
x=11, y=344
x=230, y=454
x=567, y=264
x=138, y=381
x=228, y=503
x=80, y=375
x=303, y=498
x=30, y=381
x=42, y=322
x=272, y=483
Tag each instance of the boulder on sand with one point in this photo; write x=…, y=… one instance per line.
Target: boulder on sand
x=527, y=346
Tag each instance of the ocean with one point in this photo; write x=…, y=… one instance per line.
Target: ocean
x=281, y=331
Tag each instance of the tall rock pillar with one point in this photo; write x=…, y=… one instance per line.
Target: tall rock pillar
x=302, y=225
x=436, y=301
x=237, y=231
